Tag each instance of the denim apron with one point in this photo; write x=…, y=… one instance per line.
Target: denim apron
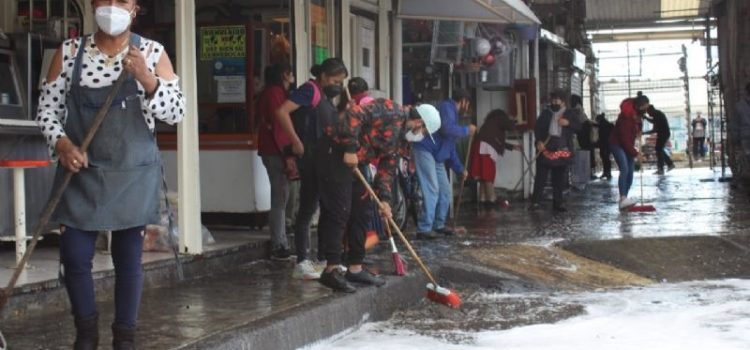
x=120, y=188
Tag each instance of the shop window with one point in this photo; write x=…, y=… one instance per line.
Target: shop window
x=47, y=17
x=235, y=41
x=319, y=31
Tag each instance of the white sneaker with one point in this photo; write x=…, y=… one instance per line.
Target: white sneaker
x=627, y=203
x=319, y=266
x=305, y=271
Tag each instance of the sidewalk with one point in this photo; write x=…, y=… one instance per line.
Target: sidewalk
x=256, y=304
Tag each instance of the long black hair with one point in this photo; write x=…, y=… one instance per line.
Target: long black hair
x=330, y=67
x=274, y=74
x=357, y=86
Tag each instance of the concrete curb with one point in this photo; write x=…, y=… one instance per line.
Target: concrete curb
x=322, y=319
x=51, y=294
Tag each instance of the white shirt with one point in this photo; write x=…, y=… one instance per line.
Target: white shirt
x=167, y=103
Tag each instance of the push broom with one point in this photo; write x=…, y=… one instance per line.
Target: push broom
x=435, y=292
x=642, y=208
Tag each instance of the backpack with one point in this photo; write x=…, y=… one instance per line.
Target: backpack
x=304, y=118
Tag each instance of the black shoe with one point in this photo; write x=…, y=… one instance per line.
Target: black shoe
x=446, y=231
x=670, y=168
x=123, y=338
x=607, y=177
x=560, y=209
x=535, y=207
x=87, y=333
x=335, y=280
x=426, y=235
x=365, y=277
x=280, y=254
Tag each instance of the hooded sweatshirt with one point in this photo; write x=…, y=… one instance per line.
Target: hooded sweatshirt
x=627, y=127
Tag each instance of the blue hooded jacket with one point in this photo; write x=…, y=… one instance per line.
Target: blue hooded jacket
x=443, y=148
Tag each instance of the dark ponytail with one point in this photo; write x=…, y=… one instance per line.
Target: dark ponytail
x=329, y=67
x=641, y=99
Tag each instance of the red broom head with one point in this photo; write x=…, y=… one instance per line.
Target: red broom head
x=399, y=264
x=443, y=296
x=647, y=208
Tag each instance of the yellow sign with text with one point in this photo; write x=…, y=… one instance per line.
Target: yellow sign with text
x=222, y=42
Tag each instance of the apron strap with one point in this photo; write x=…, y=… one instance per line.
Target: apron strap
x=76, y=78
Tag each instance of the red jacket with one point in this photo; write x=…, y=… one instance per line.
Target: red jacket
x=271, y=137
x=627, y=128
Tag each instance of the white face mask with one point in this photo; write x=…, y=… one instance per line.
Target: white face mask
x=412, y=137
x=112, y=20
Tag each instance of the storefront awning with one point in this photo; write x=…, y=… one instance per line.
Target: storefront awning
x=492, y=11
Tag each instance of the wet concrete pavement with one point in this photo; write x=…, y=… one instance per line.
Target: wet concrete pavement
x=699, y=231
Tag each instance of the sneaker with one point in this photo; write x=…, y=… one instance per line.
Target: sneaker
x=335, y=280
x=446, y=231
x=365, y=277
x=305, y=271
x=281, y=254
x=426, y=235
x=627, y=203
x=319, y=266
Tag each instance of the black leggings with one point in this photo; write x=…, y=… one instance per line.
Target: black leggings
x=345, y=213
x=360, y=220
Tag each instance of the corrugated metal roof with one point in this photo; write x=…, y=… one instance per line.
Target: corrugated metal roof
x=493, y=11
x=604, y=12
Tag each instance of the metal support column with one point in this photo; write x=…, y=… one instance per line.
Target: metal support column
x=686, y=78
x=188, y=169
x=397, y=88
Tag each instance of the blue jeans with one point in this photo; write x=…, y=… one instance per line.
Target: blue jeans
x=76, y=254
x=626, y=164
x=279, y=194
x=436, y=191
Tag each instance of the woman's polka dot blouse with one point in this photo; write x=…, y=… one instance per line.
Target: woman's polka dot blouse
x=166, y=104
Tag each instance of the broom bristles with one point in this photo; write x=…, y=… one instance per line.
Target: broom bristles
x=443, y=296
x=398, y=263
x=642, y=209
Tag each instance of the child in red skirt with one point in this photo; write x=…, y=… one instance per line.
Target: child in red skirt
x=487, y=148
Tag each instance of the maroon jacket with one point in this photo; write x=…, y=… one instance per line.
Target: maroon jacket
x=271, y=137
x=627, y=128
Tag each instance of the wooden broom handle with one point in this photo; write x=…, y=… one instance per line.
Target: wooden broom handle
x=395, y=227
x=58, y=192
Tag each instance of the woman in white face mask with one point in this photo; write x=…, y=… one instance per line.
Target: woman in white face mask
x=117, y=181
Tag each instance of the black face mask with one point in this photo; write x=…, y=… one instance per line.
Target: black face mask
x=332, y=91
x=555, y=108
